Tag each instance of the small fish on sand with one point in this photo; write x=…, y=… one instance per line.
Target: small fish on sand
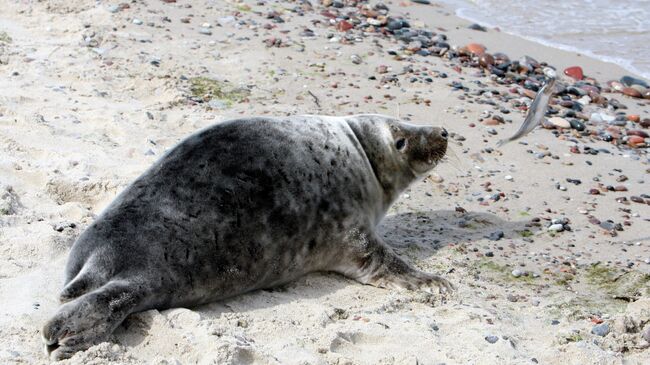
x=535, y=112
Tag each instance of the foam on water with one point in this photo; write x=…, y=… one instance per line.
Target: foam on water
x=616, y=31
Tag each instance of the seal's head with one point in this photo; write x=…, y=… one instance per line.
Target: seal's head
x=398, y=152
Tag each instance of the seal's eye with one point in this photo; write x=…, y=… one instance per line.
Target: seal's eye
x=400, y=144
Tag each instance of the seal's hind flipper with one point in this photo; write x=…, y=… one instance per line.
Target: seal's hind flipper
x=90, y=318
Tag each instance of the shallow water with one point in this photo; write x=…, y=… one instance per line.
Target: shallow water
x=616, y=31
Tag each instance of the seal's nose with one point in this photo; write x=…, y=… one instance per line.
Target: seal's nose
x=443, y=133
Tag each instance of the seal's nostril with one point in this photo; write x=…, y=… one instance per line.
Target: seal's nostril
x=444, y=133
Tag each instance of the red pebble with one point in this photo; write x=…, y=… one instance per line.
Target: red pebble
x=636, y=132
x=634, y=118
x=574, y=72
x=632, y=92
x=633, y=141
x=343, y=26
x=475, y=48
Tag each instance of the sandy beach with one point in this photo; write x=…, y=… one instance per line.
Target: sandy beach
x=547, y=239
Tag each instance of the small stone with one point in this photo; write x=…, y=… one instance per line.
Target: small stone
x=600, y=329
x=633, y=141
x=490, y=121
x=495, y=236
x=636, y=132
x=577, y=125
x=574, y=72
x=556, y=228
x=486, y=60
x=629, y=81
x=509, y=177
x=635, y=118
x=560, y=122
x=629, y=91
x=491, y=338
x=344, y=26
x=637, y=199
x=607, y=225
x=478, y=27
x=475, y=48
x=512, y=298
x=517, y=273
x=205, y=31
x=356, y=59
x=137, y=21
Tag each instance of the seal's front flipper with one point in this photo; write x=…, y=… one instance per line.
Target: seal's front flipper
x=369, y=261
x=90, y=319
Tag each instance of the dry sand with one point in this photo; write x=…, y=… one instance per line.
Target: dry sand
x=89, y=99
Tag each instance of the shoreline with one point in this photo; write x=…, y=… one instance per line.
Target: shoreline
x=514, y=45
x=575, y=51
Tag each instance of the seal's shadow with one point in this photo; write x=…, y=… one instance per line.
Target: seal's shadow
x=414, y=235
x=429, y=231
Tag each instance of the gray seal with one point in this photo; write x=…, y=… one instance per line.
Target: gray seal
x=243, y=205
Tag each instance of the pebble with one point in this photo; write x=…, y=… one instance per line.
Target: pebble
x=517, y=273
x=478, y=27
x=495, y=236
x=356, y=59
x=635, y=140
x=556, y=227
x=509, y=177
x=486, y=60
x=491, y=121
x=629, y=91
x=205, y=31
x=639, y=133
x=475, y=48
x=560, y=122
x=491, y=338
x=600, y=329
x=635, y=118
x=137, y=21
x=637, y=199
x=574, y=72
x=629, y=81
x=577, y=125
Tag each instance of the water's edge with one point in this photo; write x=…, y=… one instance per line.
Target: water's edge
x=461, y=10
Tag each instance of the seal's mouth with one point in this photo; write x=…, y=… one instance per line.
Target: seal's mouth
x=423, y=166
x=431, y=150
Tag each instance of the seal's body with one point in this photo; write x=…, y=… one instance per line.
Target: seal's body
x=244, y=205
